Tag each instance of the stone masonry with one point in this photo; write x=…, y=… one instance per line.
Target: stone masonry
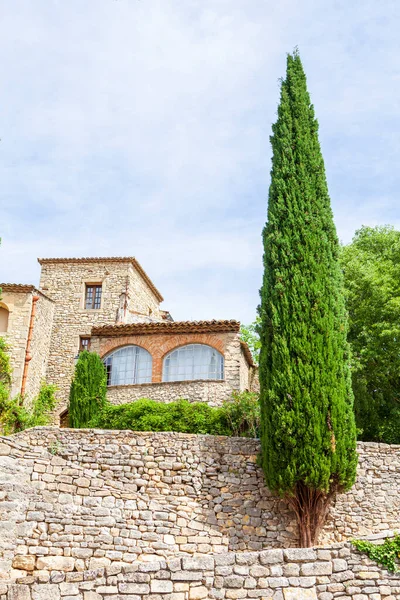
x=322, y=573
x=125, y=295
x=236, y=364
x=18, y=300
x=99, y=497
x=91, y=514
x=129, y=313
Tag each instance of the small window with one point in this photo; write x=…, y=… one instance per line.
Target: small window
x=84, y=343
x=92, y=296
x=3, y=319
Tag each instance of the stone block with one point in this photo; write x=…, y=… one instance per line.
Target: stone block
x=55, y=563
x=161, y=586
x=316, y=568
x=26, y=563
x=198, y=593
x=300, y=554
x=200, y=563
x=46, y=591
x=19, y=592
x=299, y=594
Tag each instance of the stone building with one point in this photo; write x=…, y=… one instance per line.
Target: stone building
x=110, y=306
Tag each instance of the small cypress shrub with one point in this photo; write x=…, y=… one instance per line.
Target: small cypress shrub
x=87, y=395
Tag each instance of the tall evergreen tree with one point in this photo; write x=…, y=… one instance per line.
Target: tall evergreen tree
x=308, y=431
x=88, y=390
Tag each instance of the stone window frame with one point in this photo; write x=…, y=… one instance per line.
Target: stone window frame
x=4, y=306
x=82, y=346
x=84, y=284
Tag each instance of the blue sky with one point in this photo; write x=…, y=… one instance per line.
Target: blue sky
x=141, y=127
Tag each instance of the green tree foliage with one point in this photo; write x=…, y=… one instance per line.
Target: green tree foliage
x=87, y=395
x=15, y=416
x=372, y=278
x=307, y=422
x=237, y=417
x=5, y=373
x=250, y=335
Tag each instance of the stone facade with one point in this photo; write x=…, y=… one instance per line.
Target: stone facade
x=212, y=392
x=19, y=300
x=159, y=344
x=129, y=313
x=125, y=297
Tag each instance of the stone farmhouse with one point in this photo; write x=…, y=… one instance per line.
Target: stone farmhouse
x=111, y=306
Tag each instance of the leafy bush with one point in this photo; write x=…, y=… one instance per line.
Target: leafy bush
x=242, y=414
x=14, y=416
x=87, y=395
x=238, y=417
x=385, y=554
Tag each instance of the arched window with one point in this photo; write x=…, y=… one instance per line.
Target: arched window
x=128, y=365
x=195, y=361
x=3, y=319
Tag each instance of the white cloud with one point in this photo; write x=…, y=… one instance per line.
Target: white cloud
x=141, y=127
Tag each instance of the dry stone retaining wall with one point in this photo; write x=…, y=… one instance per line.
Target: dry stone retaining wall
x=78, y=501
x=322, y=573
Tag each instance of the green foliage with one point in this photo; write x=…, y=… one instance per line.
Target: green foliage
x=5, y=368
x=239, y=417
x=87, y=395
x=385, y=554
x=15, y=416
x=242, y=414
x=307, y=423
x=372, y=278
x=250, y=335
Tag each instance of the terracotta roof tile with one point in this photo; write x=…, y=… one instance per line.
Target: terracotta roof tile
x=166, y=327
x=17, y=287
x=247, y=353
x=107, y=259
x=22, y=288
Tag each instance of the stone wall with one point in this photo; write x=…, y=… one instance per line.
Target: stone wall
x=323, y=573
x=40, y=345
x=101, y=497
x=19, y=305
x=64, y=282
x=212, y=392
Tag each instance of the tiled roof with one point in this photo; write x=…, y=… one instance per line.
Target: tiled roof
x=166, y=327
x=17, y=287
x=23, y=288
x=108, y=259
x=247, y=353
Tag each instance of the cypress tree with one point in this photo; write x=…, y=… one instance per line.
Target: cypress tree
x=308, y=431
x=88, y=390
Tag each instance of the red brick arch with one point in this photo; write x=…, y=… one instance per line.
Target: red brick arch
x=161, y=344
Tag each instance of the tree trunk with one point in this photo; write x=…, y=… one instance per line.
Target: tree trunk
x=311, y=508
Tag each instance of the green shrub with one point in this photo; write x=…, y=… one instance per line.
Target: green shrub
x=385, y=554
x=15, y=417
x=242, y=414
x=238, y=417
x=87, y=395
